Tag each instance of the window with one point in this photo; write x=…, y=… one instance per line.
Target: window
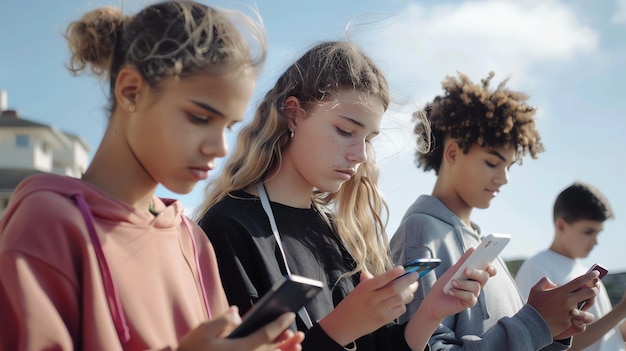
x=21, y=140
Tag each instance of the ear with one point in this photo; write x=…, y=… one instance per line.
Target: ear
x=559, y=225
x=451, y=151
x=293, y=110
x=128, y=86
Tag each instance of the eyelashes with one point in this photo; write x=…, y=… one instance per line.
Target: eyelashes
x=198, y=119
x=343, y=132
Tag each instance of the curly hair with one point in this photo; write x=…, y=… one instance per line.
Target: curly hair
x=171, y=38
x=473, y=114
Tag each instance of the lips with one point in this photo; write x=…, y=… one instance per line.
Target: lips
x=493, y=192
x=200, y=173
x=349, y=172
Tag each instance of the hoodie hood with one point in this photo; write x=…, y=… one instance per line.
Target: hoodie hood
x=102, y=206
x=432, y=206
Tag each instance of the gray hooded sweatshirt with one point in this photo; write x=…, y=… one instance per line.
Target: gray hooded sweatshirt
x=500, y=320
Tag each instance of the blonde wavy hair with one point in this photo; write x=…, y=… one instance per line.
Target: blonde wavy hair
x=357, y=210
x=171, y=38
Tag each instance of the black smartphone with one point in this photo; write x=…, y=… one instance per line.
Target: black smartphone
x=603, y=271
x=421, y=265
x=287, y=295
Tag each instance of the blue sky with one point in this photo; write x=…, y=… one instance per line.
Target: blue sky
x=568, y=55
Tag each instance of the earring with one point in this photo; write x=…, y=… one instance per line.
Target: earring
x=131, y=108
x=291, y=134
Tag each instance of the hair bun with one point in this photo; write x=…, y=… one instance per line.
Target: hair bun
x=92, y=40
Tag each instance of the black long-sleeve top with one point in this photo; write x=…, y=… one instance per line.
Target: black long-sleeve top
x=250, y=263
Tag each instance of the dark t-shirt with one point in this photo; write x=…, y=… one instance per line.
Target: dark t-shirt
x=250, y=262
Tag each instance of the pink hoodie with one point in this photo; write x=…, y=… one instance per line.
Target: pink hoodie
x=51, y=290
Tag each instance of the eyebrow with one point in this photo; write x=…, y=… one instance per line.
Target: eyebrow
x=208, y=108
x=497, y=154
x=376, y=132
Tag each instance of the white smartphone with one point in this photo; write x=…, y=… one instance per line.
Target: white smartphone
x=287, y=295
x=485, y=253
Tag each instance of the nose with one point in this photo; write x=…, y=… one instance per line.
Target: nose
x=215, y=144
x=357, y=152
x=502, y=177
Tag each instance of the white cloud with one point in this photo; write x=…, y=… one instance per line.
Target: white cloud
x=619, y=17
x=425, y=43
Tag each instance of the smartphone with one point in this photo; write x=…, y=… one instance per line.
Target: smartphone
x=485, y=253
x=603, y=271
x=289, y=294
x=420, y=265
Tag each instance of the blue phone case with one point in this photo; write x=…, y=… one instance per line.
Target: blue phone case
x=421, y=265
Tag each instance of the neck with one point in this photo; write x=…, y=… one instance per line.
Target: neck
x=556, y=247
x=116, y=171
x=451, y=199
x=287, y=187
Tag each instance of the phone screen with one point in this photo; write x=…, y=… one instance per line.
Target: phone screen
x=421, y=265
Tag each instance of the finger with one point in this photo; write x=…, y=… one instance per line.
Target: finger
x=365, y=275
x=470, y=286
x=224, y=324
x=284, y=336
x=576, y=283
x=289, y=341
x=477, y=275
x=491, y=269
x=381, y=280
x=585, y=294
x=404, y=283
x=392, y=297
x=592, y=300
x=293, y=343
x=544, y=284
x=269, y=332
x=579, y=325
x=581, y=316
x=466, y=298
x=448, y=274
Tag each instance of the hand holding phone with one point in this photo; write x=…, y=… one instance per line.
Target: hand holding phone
x=603, y=271
x=288, y=295
x=485, y=253
x=420, y=265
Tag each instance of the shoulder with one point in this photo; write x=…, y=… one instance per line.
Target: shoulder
x=47, y=227
x=529, y=272
x=533, y=263
x=40, y=210
x=418, y=227
x=237, y=204
x=233, y=218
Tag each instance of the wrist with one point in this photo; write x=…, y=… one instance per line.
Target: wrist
x=420, y=327
x=335, y=328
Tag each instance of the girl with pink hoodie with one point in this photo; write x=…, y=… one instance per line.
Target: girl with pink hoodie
x=101, y=263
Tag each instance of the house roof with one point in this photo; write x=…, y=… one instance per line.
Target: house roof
x=9, y=178
x=13, y=121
